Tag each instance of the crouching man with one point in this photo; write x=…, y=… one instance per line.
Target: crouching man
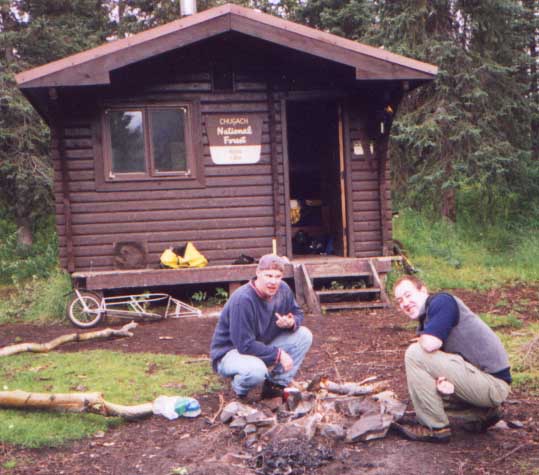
x=259, y=337
x=457, y=358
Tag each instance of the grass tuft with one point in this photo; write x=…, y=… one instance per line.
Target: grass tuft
x=123, y=378
x=501, y=321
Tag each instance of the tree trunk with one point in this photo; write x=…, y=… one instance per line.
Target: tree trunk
x=24, y=232
x=533, y=12
x=449, y=204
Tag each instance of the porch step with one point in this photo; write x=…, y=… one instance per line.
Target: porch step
x=310, y=279
x=335, y=306
x=346, y=293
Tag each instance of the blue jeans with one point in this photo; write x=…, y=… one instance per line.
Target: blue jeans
x=249, y=371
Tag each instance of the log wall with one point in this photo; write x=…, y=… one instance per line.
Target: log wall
x=232, y=214
x=237, y=210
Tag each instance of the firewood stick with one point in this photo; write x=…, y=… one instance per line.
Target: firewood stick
x=51, y=345
x=353, y=389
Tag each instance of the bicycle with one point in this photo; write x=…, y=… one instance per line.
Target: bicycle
x=86, y=309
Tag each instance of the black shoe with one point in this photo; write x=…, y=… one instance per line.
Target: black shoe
x=422, y=433
x=491, y=417
x=271, y=390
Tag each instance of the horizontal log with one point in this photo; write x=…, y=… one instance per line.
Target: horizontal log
x=78, y=143
x=152, y=259
x=78, y=131
x=157, y=247
x=157, y=235
x=198, y=224
x=157, y=218
x=167, y=204
x=137, y=195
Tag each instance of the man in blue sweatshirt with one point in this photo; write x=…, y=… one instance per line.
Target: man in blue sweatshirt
x=259, y=337
x=457, y=358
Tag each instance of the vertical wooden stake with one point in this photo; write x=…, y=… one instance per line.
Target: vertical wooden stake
x=274, y=245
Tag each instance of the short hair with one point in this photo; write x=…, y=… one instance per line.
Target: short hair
x=271, y=262
x=410, y=278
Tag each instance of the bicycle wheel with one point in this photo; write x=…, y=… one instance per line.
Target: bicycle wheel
x=84, y=311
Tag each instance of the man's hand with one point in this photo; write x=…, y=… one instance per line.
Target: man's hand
x=285, y=321
x=286, y=361
x=444, y=386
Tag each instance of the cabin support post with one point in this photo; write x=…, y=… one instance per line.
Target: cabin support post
x=382, y=191
x=278, y=218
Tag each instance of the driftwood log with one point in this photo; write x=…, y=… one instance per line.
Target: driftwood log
x=72, y=402
x=51, y=345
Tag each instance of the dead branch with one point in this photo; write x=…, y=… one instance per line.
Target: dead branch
x=530, y=348
x=51, y=345
x=334, y=366
x=508, y=454
x=221, y=405
x=72, y=402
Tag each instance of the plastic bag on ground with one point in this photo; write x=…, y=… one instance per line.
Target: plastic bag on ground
x=173, y=407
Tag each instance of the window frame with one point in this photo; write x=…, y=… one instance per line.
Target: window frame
x=150, y=174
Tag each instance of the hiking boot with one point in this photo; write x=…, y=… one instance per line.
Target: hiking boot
x=491, y=417
x=271, y=390
x=422, y=433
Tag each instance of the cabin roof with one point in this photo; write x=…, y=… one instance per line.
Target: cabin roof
x=93, y=67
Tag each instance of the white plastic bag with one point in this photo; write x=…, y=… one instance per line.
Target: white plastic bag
x=172, y=407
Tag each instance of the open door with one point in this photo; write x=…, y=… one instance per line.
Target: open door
x=316, y=165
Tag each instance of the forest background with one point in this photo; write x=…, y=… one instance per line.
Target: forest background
x=464, y=149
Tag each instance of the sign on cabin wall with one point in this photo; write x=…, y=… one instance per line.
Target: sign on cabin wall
x=234, y=138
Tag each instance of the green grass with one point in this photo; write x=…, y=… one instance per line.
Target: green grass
x=38, y=300
x=123, y=378
x=458, y=256
x=523, y=349
x=501, y=321
x=10, y=464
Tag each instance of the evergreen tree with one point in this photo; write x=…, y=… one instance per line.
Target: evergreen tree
x=34, y=32
x=469, y=130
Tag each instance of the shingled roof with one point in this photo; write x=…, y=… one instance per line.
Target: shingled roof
x=93, y=67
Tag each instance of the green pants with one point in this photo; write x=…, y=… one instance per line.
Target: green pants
x=473, y=386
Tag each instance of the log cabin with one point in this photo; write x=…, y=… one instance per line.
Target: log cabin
x=232, y=129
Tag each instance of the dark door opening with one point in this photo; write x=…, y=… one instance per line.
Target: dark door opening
x=315, y=164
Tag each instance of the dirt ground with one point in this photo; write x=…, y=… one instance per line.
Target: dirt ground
x=347, y=347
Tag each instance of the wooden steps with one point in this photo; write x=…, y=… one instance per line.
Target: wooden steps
x=347, y=284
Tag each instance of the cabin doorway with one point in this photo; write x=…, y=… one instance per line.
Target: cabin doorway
x=316, y=173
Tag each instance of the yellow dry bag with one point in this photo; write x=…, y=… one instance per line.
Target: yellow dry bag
x=183, y=256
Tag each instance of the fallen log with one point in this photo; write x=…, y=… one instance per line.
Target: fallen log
x=72, y=402
x=51, y=345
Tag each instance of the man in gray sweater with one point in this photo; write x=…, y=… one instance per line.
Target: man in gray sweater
x=259, y=337
x=457, y=358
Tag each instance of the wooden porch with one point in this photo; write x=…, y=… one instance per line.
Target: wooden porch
x=311, y=276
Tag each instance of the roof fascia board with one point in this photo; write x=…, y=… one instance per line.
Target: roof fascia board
x=94, y=65
x=428, y=70
x=367, y=67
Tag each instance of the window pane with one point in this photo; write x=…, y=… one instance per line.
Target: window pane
x=168, y=139
x=127, y=139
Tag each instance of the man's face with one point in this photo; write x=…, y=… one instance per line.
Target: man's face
x=410, y=299
x=268, y=281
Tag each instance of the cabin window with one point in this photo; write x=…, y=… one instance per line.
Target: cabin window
x=148, y=142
